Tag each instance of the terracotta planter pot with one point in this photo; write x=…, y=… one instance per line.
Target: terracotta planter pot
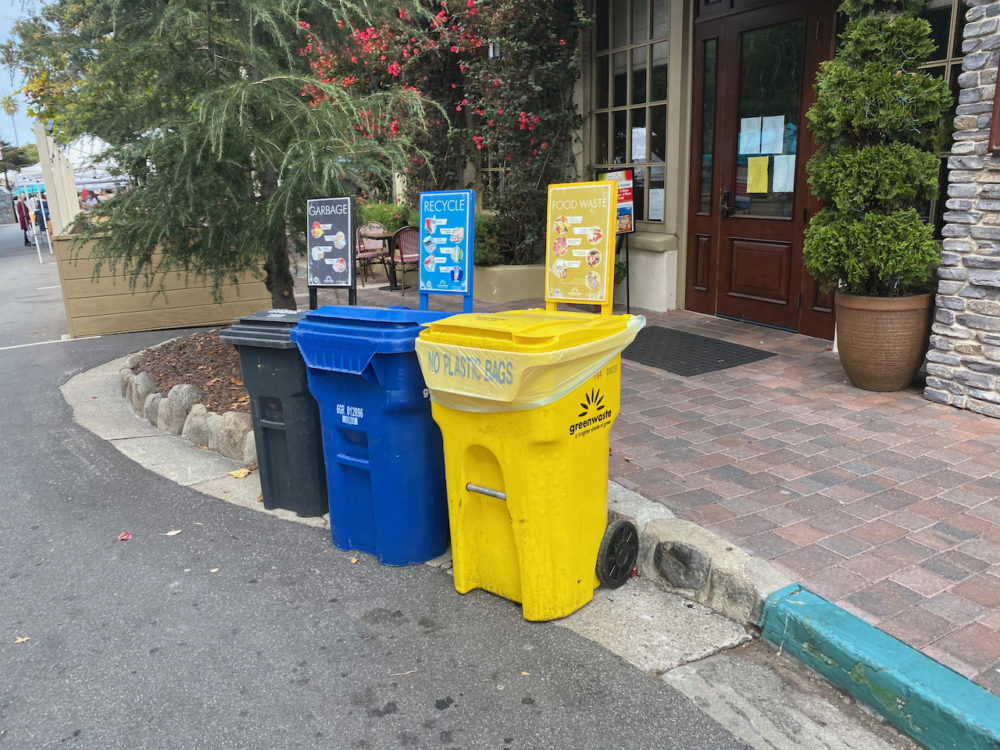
x=882, y=340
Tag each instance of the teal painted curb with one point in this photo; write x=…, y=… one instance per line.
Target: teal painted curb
x=933, y=704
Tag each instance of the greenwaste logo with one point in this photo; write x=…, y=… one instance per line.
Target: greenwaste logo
x=594, y=400
x=594, y=414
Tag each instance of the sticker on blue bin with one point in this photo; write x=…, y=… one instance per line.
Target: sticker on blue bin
x=350, y=414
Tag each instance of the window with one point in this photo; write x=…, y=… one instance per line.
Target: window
x=947, y=19
x=630, y=96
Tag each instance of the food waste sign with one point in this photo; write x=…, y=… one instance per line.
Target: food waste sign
x=330, y=241
x=581, y=219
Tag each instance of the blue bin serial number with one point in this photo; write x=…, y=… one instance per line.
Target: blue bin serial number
x=350, y=414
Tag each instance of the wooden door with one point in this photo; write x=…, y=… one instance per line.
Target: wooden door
x=749, y=199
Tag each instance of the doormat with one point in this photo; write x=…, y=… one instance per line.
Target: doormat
x=687, y=354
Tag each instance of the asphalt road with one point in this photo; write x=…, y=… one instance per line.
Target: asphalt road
x=244, y=631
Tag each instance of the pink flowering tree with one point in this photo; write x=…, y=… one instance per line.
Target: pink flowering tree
x=522, y=117
x=496, y=79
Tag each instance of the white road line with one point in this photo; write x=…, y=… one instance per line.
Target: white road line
x=39, y=343
x=40, y=288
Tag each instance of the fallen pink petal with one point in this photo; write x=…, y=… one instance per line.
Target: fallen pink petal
x=125, y=537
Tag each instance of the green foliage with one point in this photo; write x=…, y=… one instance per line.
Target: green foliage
x=874, y=254
x=522, y=116
x=202, y=105
x=875, y=120
x=876, y=105
x=886, y=177
x=504, y=123
x=855, y=8
x=865, y=41
x=392, y=216
x=489, y=244
x=15, y=157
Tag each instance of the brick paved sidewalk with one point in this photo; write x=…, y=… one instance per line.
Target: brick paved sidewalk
x=887, y=505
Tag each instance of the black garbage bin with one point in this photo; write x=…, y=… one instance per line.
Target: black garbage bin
x=286, y=422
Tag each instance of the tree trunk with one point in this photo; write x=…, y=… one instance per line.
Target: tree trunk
x=278, y=278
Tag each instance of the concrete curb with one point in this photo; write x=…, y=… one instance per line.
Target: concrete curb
x=97, y=404
x=936, y=706
x=684, y=559
x=928, y=701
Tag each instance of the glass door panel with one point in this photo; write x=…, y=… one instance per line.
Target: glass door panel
x=770, y=81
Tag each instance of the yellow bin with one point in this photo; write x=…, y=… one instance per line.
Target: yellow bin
x=525, y=401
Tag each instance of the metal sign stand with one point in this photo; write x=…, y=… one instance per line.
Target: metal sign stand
x=352, y=294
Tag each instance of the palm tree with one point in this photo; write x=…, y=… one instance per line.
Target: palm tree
x=9, y=105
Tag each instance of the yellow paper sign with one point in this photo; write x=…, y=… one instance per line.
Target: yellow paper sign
x=579, y=242
x=757, y=174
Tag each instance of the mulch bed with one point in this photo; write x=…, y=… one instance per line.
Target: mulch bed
x=202, y=360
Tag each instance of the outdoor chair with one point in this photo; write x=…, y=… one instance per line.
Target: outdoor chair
x=406, y=242
x=372, y=248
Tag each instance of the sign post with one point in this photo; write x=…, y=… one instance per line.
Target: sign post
x=626, y=218
x=579, y=254
x=447, y=245
x=330, y=251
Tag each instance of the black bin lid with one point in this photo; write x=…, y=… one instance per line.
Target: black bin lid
x=270, y=329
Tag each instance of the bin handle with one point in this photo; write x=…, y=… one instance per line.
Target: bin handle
x=486, y=491
x=272, y=425
x=357, y=463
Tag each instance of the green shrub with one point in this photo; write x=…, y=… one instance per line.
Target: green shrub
x=875, y=254
x=489, y=240
x=884, y=176
x=413, y=217
x=876, y=120
x=621, y=271
x=390, y=215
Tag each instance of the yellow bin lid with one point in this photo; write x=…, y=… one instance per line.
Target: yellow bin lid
x=519, y=359
x=524, y=330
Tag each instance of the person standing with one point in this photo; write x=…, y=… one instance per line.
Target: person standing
x=23, y=217
x=42, y=213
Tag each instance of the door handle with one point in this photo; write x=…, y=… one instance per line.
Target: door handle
x=724, y=201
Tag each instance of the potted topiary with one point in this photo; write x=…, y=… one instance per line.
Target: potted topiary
x=876, y=120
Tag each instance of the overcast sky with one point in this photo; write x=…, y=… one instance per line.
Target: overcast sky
x=22, y=125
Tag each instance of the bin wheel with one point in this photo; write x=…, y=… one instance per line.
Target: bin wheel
x=617, y=554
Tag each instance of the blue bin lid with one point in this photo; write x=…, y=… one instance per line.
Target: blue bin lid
x=270, y=329
x=344, y=339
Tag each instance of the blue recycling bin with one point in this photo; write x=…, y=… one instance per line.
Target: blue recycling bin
x=383, y=453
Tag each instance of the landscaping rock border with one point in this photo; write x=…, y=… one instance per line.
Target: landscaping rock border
x=181, y=412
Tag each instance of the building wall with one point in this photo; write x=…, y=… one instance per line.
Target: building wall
x=655, y=252
x=963, y=362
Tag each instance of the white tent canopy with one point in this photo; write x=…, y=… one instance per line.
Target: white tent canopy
x=88, y=172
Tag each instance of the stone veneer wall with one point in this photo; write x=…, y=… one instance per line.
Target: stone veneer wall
x=963, y=362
